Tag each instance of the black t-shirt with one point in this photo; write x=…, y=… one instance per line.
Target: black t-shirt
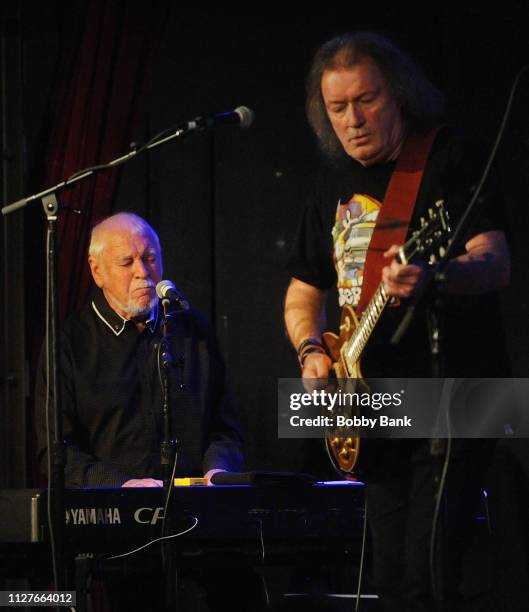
x=473, y=339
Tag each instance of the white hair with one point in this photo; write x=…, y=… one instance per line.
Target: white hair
x=123, y=221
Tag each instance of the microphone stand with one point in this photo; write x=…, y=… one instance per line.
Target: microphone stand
x=429, y=294
x=168, y=361
x=87, y=172
x=56, y=447
x=439, y=447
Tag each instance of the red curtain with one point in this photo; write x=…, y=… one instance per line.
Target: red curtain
x=106, y=48
x=100, y=80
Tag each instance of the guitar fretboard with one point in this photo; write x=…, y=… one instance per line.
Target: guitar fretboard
x=352, y=349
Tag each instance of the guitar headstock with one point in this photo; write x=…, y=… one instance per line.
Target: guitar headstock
x=430, y=240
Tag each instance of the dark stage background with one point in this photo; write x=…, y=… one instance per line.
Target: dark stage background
x=226, y=203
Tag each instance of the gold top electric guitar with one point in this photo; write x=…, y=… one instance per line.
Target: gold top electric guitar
x=346, y=349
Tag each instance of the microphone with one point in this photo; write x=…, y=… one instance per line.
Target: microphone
x=241, y=116
x=166, y=290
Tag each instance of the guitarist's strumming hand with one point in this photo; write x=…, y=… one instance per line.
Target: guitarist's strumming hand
x=317, y=365
x=401, y=280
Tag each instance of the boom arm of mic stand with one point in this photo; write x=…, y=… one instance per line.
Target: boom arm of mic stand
x=82, y=174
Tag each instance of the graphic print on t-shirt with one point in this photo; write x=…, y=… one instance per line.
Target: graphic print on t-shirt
x=352, y=231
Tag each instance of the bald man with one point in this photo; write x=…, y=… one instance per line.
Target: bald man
x=111, y=395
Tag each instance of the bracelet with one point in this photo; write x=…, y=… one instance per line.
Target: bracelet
x=312, y=349
x=310, y=345
x=308, y=342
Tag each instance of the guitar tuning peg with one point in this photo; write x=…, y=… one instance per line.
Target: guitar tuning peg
x=431, y=213
x=423, y=221
x=442, y=251
x=433, y=259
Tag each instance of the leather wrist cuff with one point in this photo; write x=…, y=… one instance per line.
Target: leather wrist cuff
x=310, y=345
x=313, y=349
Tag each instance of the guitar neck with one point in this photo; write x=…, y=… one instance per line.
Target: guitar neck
x=424, y=242
x=353, y=348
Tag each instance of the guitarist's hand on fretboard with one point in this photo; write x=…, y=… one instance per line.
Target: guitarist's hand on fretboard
x=402, y=280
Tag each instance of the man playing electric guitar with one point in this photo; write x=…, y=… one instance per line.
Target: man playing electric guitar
x=377, y=120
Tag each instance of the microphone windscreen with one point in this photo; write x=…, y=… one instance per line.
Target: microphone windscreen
x=163, y=287
x=246, y=116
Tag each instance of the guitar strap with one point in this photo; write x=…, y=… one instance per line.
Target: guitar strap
x=396, y=211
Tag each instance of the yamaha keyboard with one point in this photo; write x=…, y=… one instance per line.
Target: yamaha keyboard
x=247, y=520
